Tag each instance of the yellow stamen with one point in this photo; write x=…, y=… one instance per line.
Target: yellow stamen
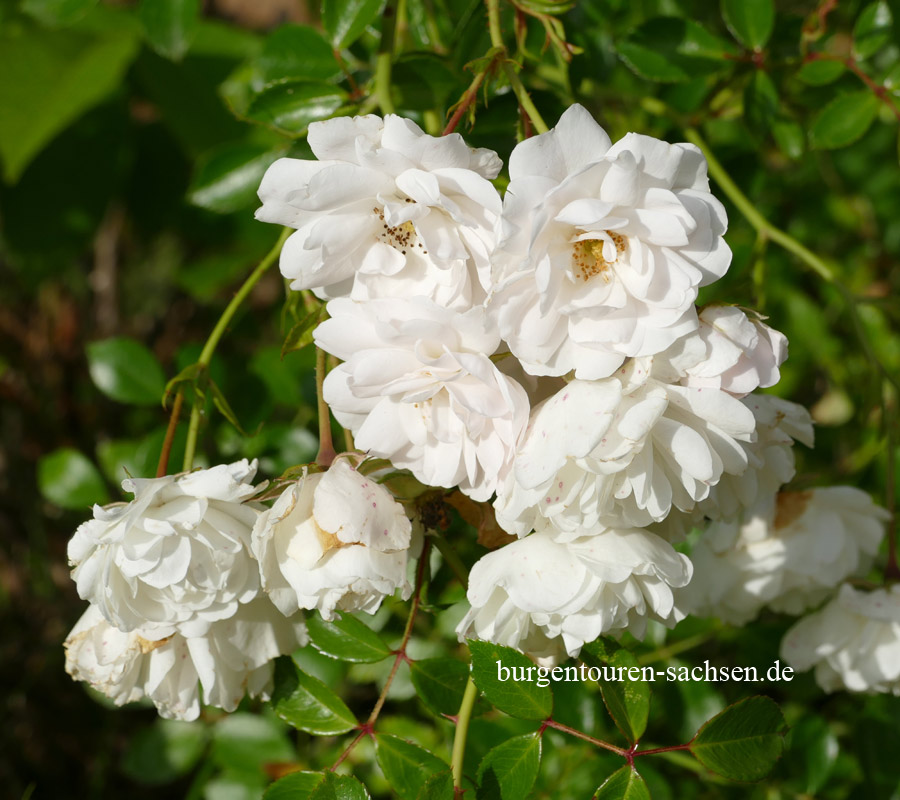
x=588, y=260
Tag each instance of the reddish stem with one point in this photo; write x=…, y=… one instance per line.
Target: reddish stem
x=368, y=727
x=467, y=99
x=363, y=730
x=656, y=750
x=551, y=723
x=876, y=88
x=355, y=93
x=163, y=467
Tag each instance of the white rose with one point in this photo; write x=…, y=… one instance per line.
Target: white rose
x=387, y=211
x=333, y=540
x=853, y=642
x=418, y=387
x=623, y=450
x=788, y=555
x=537, y=591
x=232, y=659
x=770, y=457
x=737, y=352
x=177, y=555
x=602, y=247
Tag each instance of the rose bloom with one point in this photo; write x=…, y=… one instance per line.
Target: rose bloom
x=545, y=597
x=770, y=459
x=386, y=211
x=333, y=540
x=602, y=247
x=853, y=642
x=788, y=555
x=177, y=555
x=418, y=387
x=733, y=350
x=624, y=450
x=231, y=659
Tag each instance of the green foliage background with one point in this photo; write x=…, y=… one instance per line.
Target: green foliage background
x=132, y=140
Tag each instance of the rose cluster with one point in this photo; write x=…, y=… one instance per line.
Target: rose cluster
x=542, y=352
x=193, y=582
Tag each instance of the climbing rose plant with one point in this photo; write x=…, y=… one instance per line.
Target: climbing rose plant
x=546, y=435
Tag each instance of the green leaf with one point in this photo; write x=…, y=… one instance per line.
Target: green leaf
x=671, y=49
x=47, y=80
x=422, y=82
x=627, y=700
x=70, y=480
x=790, y=137
x=508, y=771
x=623, y=784
x=873, y=30
x=295, y=786
x=170, y=25
x=438, y=787
x=307, y=703
x=126, y=371
x=814, y=745
x=891, y=80
x=346, y=639
x=821, y=72
x=223, y=406
x=164, y=751
x=744, y=741
x=58, y=12
x=345, y=20
x=760, y=102
x=297, y=51
x=440, y=683
x=518, y=698
x=844, y=120
x=243, y=743
x=290, y=106
x=405, y=765
x=301, y=335
x=228, y=177
x=340, y=787
x=751, y=21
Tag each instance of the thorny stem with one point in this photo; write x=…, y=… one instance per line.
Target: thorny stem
x=521, y=93
x=384, y=59
x=459, y=736
x=359, y=736
x=326, y=446
x=221, y=326
x=163, y=467
x=368, y=727
x=467, y=99
x=558, y=726
x=655, y=750
x=407, y=632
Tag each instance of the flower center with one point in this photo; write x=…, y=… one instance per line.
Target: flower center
x=401, y=237
x=588, y=260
